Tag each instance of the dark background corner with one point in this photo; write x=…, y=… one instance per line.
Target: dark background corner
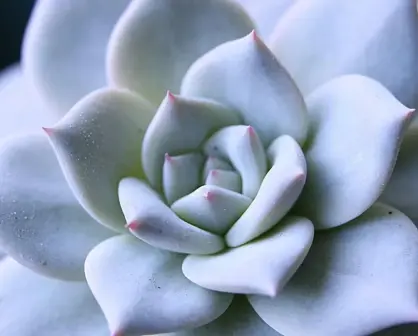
x=14, y=15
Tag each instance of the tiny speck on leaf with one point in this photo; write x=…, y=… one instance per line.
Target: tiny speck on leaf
x=390, y=212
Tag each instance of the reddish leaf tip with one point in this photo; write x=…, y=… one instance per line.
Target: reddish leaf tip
x=254, y=35
x=410, y=113
x=117, y=333
x=134, y=225
x=167, y=157
x=300, y=176
x=170, y=96
x=250, y=131
x=214, y=172
x=48, y=130
x=208, y=195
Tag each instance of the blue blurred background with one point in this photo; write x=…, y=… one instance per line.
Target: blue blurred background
x=13, y=18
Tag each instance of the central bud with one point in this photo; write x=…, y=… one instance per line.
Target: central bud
x=213, y=183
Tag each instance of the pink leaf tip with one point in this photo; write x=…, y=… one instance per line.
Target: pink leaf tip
x=167, y=157
x=117, y=333
x=214, y=172
x=134, y=225
x=48, y=130
x=254, y=35
x=250, y=131
x=410, y=113
x=170, y=96
x=300, y=176
x=208, y=195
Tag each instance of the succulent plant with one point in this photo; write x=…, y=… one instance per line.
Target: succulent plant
x=217, y=184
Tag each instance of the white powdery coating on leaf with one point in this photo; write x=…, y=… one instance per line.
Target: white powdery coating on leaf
x=143, y=291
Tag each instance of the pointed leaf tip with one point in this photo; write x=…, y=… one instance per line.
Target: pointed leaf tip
x=262, y=267
x=167, y=157
x=209, y=195
x=134, y=225
x=106, y=125
x=254, y=35
x=170, y=96
x=251, y=131
x=48, y=130
x=410, y=114
x=245, y=75
x=300, y=176
x=214, y=172
x=340, y=188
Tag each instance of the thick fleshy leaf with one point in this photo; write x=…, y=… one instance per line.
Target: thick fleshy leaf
x=180, y=126
x=42, y=226
x=266, y=13
x=402, y=188
x=239, y=320
x=155, y=42
x=35, y=305
x=357, y=279
x=241, y=146
x=212, y=208
x=143, y=291
x=97, y=144
x=261, y=267
x=357, y=127
x=65, y=47
x=19, y=115
x=155, y=223
x=225, y=179
x=181, y=175
x=278, y=192
x=244, y=74
x=318, y=40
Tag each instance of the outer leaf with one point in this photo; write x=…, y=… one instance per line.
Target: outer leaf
x=239, y=320
x=244, y=74
x=155, y=223
x=97, y=144
x=339, y=37
x=278, y=192
x=357, y=279
x=156, y=41
x=402, y=188
x=180, y=126
x=34, y=305
x=142, y=290
x=42, y=226
x=65, y=47
x=261, y=267
x=20, y=115
x=357, y=129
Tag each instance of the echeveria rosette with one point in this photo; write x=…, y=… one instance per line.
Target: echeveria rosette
x=220, y=182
